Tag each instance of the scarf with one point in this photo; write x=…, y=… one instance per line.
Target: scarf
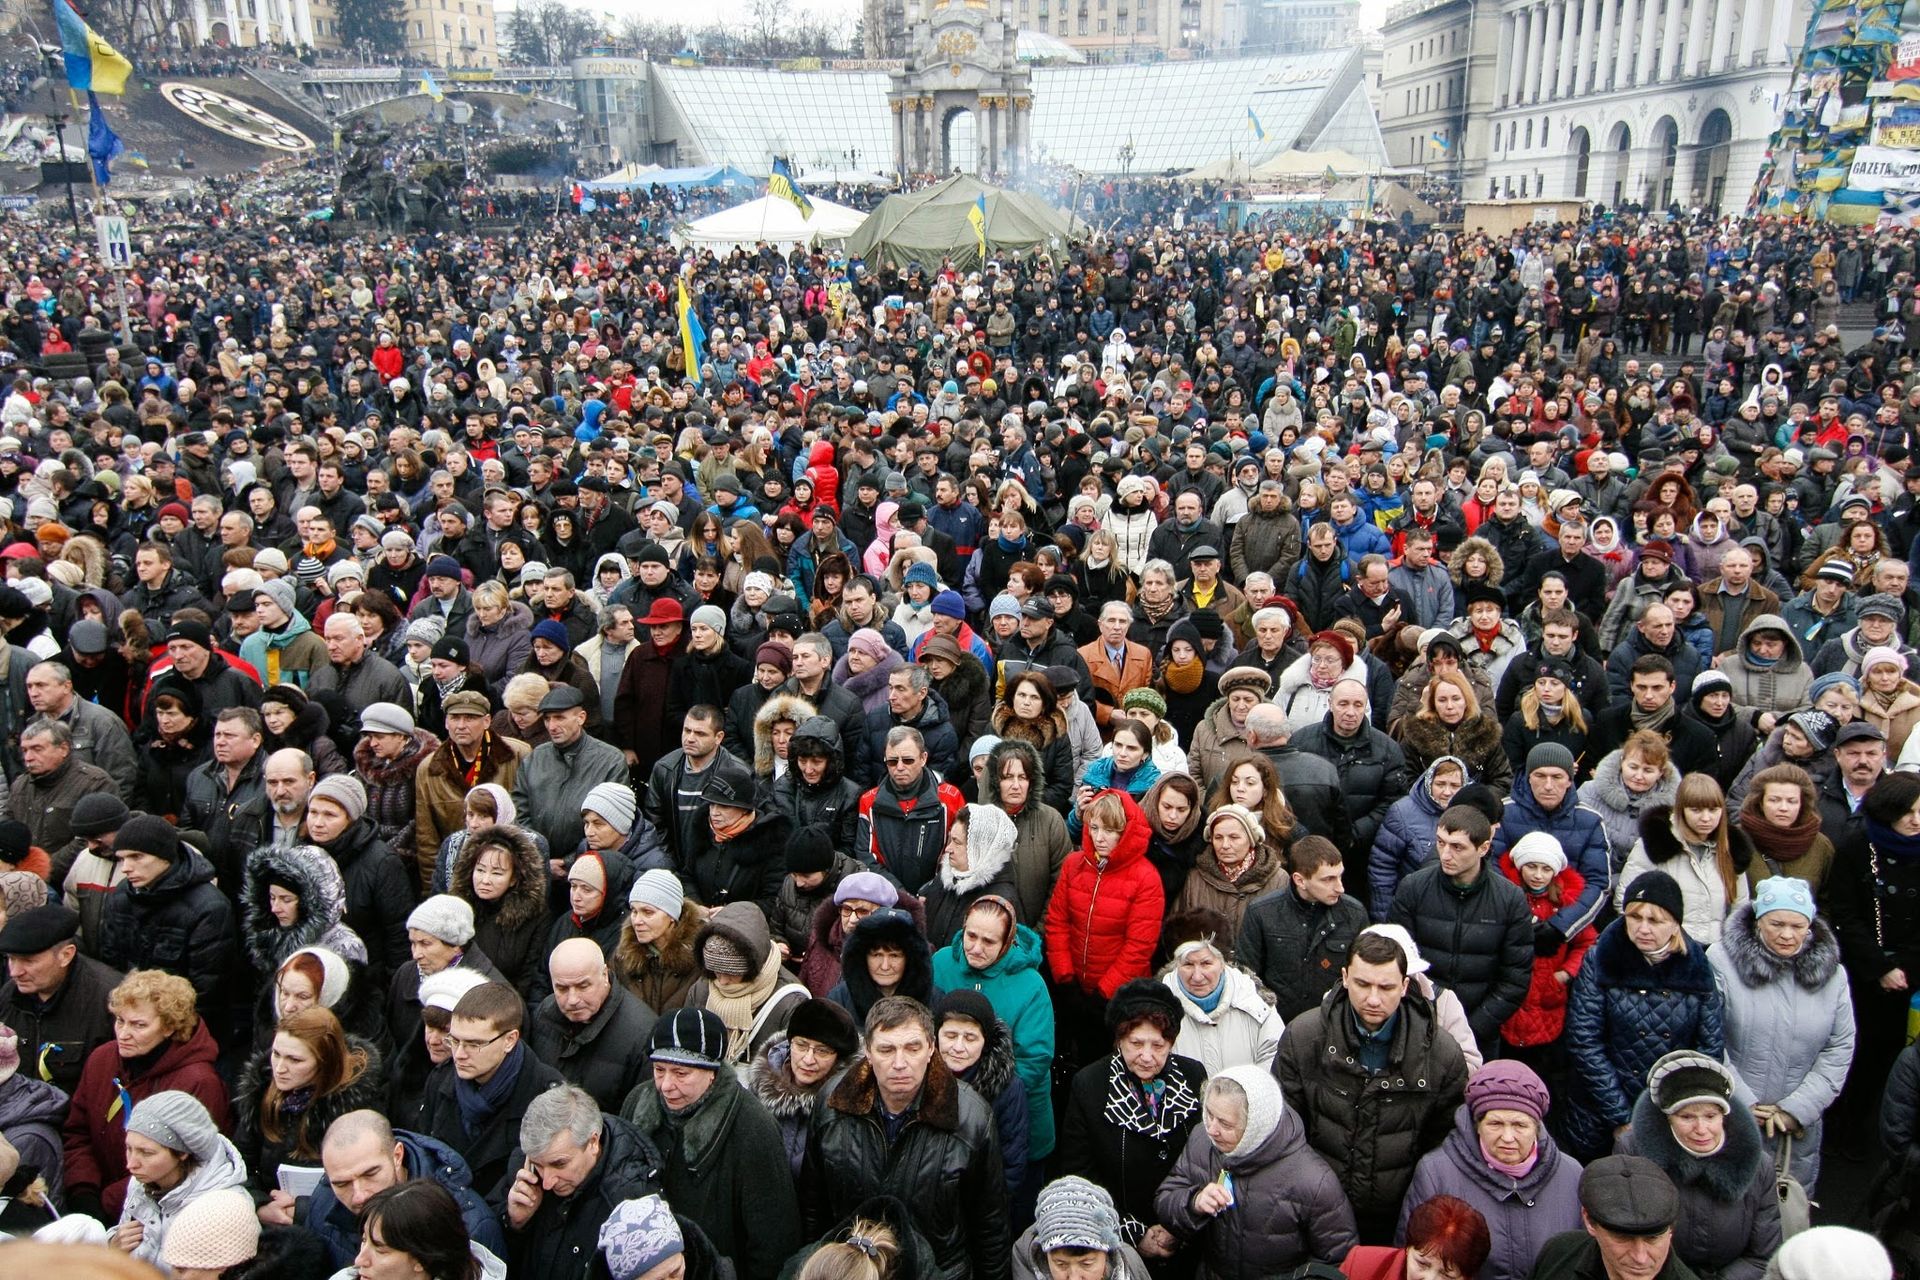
x=1323, y=682
x=1778, y=845
x=480, y=1103
x=1515, y=1171
x=1888, y=841
x=1552, y=711
x=450, y=687
x=736, y=1011
x=1208, y=1003
x=1655, y=719
x=1184, y=677
x=1485, y=639
x=319, y=550
x=724, y=831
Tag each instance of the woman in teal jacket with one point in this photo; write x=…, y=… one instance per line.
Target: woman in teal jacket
x=1000, y=958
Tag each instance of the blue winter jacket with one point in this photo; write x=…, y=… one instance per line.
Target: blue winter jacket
x=1404, y=842
x=339, y=1228
x=1583, y=838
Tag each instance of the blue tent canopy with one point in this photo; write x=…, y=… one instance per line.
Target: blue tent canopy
x=708, y=175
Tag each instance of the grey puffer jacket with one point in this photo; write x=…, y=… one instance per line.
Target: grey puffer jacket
x=1288, y=1206
x=1729, y=1223
x=1522, y=1213
x=1789, y=1025
x=1619, y=808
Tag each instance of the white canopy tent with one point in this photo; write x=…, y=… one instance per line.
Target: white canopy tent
x=771, y=219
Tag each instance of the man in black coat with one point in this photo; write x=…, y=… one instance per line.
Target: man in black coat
x=813, y=680
x=1472, y=924
x=900, y=1124
x=1586, y=576
x=1371, y=599
x=564, y=1187
x=1312, y=785
x=1650, y=704
x=1296, y=939
x=1559, y=640
x=475, y=1101
x=592, y=1030
x=1372, y=767
x=55, y=999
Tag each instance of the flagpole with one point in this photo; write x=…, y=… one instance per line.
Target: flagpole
x=99, y=200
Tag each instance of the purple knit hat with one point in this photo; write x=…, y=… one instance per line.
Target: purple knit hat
x=1507, y=1085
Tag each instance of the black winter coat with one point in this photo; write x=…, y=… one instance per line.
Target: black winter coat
x=180, y=923
x=63, y=1031
x=561, y=1241
x=1478, y=940
x=748, y=868
x=1373, y=772
x=380, y=895
x=1296, y=947
x=299, y=1140
x=945, y=1163
x=1372, y=1129
x=1111, y=1137
x=512, y=929
x=719, y=1165
x=607, y=1056
x=490, y=1151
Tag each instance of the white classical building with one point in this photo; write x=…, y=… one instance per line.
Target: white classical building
x=1653, y=102
x=254, y=22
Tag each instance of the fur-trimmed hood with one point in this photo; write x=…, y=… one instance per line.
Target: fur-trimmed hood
x=1723, y=1176
x=996, y=1068
x=770, y=1079
x=967, y=684
x=1042, y=733
x=674, y=956
x=1758, y=966
x=366, y=1091
x=315, y=879
x=526, y=897
x=896, y=929
x=1608, y=789
x=781, y=706
x=1662, y=845
x=1496, y=567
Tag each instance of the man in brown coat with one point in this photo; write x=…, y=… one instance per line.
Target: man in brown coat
x=472, y=754
x=1116, y=663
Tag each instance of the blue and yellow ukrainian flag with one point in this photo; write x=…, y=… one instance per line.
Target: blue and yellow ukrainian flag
x=977, y=218
x=1442, y=141
x=1253, y=126
x=93, y=65
x=693, y=336
x=781, y=183
x=428, y=87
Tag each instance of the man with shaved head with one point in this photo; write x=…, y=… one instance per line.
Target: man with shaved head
x=592, y=1030
x=363, y=1154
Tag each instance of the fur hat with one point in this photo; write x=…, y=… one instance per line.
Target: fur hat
x=1685, y=1077
x=827, y=1023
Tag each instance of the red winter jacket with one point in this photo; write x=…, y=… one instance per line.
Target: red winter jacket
x=825, y=476
x=96, y=1141
x=1104, y=922
x=1543, y=1014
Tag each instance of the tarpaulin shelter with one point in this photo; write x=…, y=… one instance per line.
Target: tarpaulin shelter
x=706, y=175
x=929, y=226
x=772, y=220
x=1312, y=164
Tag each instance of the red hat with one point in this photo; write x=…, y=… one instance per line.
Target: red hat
x=665, y=610
x=1658, y=547
x=20, y=551
x=178, y=510
x=1342, y=644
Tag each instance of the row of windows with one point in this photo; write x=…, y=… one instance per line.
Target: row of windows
x=1439, y=45
x=1432, y=97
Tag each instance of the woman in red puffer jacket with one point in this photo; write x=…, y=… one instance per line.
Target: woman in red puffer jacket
x=1103, y=920
x=1539, y=866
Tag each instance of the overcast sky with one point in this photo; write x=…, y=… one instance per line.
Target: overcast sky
x=676, y=10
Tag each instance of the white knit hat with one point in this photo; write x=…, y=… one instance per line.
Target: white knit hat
x=1538, y=846
x=1822, y=1253
x=443, y=990
x=446, y=917
x=215, y=1231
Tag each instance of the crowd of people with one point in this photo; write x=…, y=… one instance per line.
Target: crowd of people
x=1184, y=755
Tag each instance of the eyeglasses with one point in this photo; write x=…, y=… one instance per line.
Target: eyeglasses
x=902, y=760
x=457, y=1045
x=851, y=912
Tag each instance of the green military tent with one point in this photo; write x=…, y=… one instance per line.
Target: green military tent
x=929, y=226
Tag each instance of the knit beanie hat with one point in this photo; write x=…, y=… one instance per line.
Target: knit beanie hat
x=1074, y=1213
x=97, y=814
x=866, y=886
x=214, y=1231
x=342, y=789
x=446, y=917
x=1832, y=680
x=1658, y=889
x=725, y=958
x=444, y=989
x=1685, y=1077
x=1710, y=681
x=280, y=591
x=1144, y=699
x=826, y=1023
x=1538, y=846
x=177, y=1121
x=1507, y=1084
x=553, y=633
x=810, y=851
x=869, y=642
x=948, y=604
x=659, y=889
x=777, y=656
x=1783, y=893
x=427, y=631
x=1247, y=818
x=1003, y=605
x=144, y=833
x=689, y=1038
x=21, y=892
x=614, y=802
x=1821, y=1253
x=982, y=745
x=1883, y=653
x=1817, y=727
x=1550, y=755
x=710, y=617
x=638, y=1236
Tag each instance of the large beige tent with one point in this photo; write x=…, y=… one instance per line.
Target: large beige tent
x=1225, y=169
x=930, y=226
x=1313, y=164
x=770, y=220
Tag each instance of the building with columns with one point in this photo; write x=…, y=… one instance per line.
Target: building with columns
x=1651, y=102
x=242, y=23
